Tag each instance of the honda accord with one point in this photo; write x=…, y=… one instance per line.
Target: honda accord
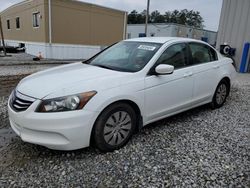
x=105, y=99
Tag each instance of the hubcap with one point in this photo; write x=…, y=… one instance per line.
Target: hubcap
x=117, y=128
x=221, y=94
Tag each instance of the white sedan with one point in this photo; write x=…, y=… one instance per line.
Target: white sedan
x=105, y=99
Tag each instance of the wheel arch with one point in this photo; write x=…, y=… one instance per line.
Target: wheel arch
x=134, y=105
x=228, y=81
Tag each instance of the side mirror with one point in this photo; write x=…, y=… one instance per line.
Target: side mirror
x=164, y=69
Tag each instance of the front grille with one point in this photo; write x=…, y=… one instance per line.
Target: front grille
x=20, y=102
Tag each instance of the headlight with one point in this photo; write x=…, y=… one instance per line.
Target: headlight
x=68, y=103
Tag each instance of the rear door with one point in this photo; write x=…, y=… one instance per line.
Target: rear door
x=205, y=71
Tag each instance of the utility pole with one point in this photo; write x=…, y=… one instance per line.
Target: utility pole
x=1, y=30
x=50, y=22
x=147, y=17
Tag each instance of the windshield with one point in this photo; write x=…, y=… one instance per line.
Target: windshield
x=126, y=56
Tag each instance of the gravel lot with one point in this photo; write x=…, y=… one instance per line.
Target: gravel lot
x=22, y=69
x=198, y=148
x=26, y=59
x=16, y=66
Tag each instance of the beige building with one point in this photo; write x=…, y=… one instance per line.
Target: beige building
x=62, y=29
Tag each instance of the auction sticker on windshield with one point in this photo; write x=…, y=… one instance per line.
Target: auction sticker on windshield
x=146, y=47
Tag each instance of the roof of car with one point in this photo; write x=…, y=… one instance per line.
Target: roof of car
x=161, y=40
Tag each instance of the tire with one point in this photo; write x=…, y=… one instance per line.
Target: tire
x=221, y=94
x=114, y=127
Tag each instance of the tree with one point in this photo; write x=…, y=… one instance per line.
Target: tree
x=167, y=16
x=154, y=15
x=141, y=17
x=136, y=18
x=183, y=17
x=132, y=17
x=194, y=19
x=157, y=17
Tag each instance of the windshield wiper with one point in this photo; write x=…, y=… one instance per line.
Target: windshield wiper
x=112, y=68
x=105, y=67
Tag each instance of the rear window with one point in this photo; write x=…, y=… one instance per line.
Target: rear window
x=202, y=53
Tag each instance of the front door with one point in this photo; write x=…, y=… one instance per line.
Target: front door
x=167, y=94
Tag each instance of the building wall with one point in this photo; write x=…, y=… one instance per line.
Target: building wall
x=234, y=28
x=133, y=30
x=79, y=30
x=26, y=32
x=87, y=24
x=171, y=30
x=58, y=51
x=72, y=23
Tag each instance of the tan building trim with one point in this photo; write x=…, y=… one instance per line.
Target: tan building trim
x=50, y=20
x=125, y=25
x=100, y=6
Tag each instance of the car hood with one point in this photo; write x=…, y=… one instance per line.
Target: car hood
x=69, y=79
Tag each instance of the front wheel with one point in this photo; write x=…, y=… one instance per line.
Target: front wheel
x=220, y=94
x=114, y=127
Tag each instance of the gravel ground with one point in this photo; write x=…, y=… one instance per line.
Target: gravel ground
x=198, y=148
x=3, y=112
x=22, y=69
x=22, y=63
x=26, y=59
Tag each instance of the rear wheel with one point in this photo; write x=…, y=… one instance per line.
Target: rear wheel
x=220, y=94
x=114, y=127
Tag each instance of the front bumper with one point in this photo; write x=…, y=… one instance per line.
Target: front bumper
x=60, y=131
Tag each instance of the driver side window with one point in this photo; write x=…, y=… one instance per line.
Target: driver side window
x=175, y=55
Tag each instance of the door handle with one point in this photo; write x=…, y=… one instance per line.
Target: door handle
x=216, y=66
x=188, y=74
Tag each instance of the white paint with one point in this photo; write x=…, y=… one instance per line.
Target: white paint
x=58, y=51
x=164, y=69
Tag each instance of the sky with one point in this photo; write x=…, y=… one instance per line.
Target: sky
x=209, y=9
